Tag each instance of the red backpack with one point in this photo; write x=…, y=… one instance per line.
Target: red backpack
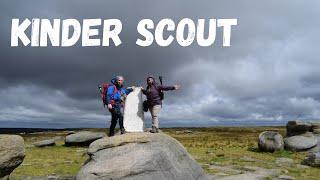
x=103, y=88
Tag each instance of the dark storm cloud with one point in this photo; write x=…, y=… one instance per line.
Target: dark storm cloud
x=270, y=72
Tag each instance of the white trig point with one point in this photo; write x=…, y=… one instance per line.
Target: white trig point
x=133, y=112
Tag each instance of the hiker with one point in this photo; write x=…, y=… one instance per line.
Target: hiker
x=115, y=97
x=154, y=94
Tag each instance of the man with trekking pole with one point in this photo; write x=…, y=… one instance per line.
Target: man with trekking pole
x=155, y=95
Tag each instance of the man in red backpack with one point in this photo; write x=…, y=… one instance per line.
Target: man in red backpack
x=115, y=97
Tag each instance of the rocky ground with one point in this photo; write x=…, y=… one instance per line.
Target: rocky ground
x=223, y=152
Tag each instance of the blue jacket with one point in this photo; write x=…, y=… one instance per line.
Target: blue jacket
x=111, y=96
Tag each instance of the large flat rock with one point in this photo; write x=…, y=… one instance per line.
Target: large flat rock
x=140, y=156
x=300, y=142
x=12, y=153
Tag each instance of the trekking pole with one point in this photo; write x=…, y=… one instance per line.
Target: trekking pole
x=101, y=94
x=161, y=92
x=160, y=79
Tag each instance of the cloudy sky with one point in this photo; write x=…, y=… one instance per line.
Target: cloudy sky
x=269, y=75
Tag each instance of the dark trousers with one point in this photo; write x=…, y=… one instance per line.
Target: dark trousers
x=116, y=114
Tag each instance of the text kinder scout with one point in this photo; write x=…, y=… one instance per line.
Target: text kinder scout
x=67, y=32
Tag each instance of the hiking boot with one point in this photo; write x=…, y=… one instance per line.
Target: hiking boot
x=123, y=131
x=154, y=130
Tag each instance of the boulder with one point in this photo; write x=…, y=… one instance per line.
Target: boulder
x=43, y=143
x=301, y=142
x=298, y=127
x=12, y=153
x=139, y=156
x=313, y=159
x=83, y=138
x=270, y=141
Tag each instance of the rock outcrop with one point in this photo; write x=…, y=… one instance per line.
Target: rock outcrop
x=12, y=153
x=302, y=136
x=83, y=138
x=140, y=156
x=298, y=127
x=270, y=141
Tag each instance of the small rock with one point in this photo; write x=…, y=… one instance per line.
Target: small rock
x=300, y=143
x=53, y=177
x=68, y=162
x=284, y=171
x=270, y=141
x=286, y=177
x=221, y=174
x=48, y=142
x=248, y=159
x=313, y=159
x=225, y=169
x=284, y=162
x=300, y=166
x=245, y=176
x=187, y=131
x=210, y=151
x=250, y=168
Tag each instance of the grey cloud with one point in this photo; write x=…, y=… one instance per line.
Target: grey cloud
x=269, y=73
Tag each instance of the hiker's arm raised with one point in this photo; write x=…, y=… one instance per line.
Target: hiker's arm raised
x=169, y=88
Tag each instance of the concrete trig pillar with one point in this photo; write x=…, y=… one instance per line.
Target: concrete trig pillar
x=133, y=111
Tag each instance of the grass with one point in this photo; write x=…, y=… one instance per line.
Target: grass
x=226, y=146
x=55, y=160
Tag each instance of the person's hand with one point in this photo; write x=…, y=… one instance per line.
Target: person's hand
x=109, y=106
x=176, y=87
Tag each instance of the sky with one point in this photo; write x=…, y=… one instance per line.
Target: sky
x=269, y=75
